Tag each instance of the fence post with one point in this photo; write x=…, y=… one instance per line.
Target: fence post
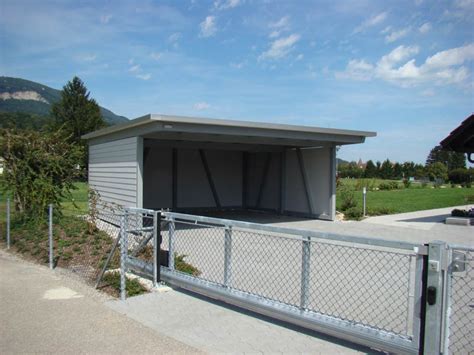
x=155, y=248
x=123, y=256
x=8, y=223
x=50, y=236
x=171, y=239
x=227, y=255
x=364, y=200
x=433, y=297
x=159, y=239
x=305, y=264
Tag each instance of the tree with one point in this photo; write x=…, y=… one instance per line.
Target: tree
x=408, y=169
x=397, y=171
x=386, y=170
x=370, y=170
x=39, y=169
x=76, y=112
x=452, y=160
x=437, y=171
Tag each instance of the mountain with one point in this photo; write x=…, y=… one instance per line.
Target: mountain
x=24, y=96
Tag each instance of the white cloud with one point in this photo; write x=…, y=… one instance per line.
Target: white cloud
x=428, y=93
x=224, y=5
x=144, y=76
x=373, y=21
x=465, y=4
x=396, y=35
x=386, y=30
x=105, y=19
x=87, y=57
x=208, y=27
x=281, y=23
x=200, y=106
x=451, y=57
x=175, y=37
x=357, y=70
x=280, y=47
x=239, y=65
x=134, y=68
x=425, y=28
x=398, y=66
x=156, y=55
x=280, y=26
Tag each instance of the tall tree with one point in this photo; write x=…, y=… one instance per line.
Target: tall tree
x=76, y=112
x=397, y=171
x=386, y=170
x=370, y=169
x=452, y=160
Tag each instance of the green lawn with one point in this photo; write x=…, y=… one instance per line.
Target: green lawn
x=414, y=199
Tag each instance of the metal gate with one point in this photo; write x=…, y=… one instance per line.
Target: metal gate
x=392, y=296
x=459, y=310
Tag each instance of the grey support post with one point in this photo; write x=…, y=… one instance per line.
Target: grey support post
x=171, y=227
x=155, y=248
x=227, y=256
x=123, y=256
x=8, y=223
x=50, y=235
x=436, y=270
x=305, y=268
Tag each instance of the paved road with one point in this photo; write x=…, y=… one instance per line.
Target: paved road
x=43, y=311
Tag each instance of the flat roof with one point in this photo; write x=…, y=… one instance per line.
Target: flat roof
x=156, y=123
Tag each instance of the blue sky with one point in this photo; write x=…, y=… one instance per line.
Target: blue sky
x=401, y=68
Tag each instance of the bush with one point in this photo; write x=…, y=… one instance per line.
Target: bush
x=379, y=211
x=459, y=176
x=354, y=213
x=39, y=169
x=391, y=185
x=347, y=196
x=406, y=183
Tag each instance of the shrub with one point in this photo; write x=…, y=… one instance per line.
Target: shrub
x=459, y=176
x=380, y=211
x=39, y=169
x=347, y=195
x=406, y=183
x=391, y=185
x=353, y=213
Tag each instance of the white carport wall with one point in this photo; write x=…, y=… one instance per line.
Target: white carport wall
x=197, y=164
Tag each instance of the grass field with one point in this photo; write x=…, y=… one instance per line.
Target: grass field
x=414, y=198
x=411, y=199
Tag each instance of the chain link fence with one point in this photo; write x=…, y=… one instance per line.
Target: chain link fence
x=372, y=286
x=460, y=320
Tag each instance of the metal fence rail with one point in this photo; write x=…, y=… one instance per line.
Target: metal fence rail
x=459, y=323
x=362, y=285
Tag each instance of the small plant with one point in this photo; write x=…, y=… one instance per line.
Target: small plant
x=347, y=195
x=133, y=287
x=185, y=267
x=406, y=183
x=353, y=213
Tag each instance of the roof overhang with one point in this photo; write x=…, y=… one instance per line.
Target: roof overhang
x=227, y=131
x=462, y=138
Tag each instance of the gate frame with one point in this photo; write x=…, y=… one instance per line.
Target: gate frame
x=433, y=271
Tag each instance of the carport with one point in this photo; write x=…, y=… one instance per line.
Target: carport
x=196, y=165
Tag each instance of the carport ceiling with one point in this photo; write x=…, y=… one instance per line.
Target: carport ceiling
x=179, y=128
